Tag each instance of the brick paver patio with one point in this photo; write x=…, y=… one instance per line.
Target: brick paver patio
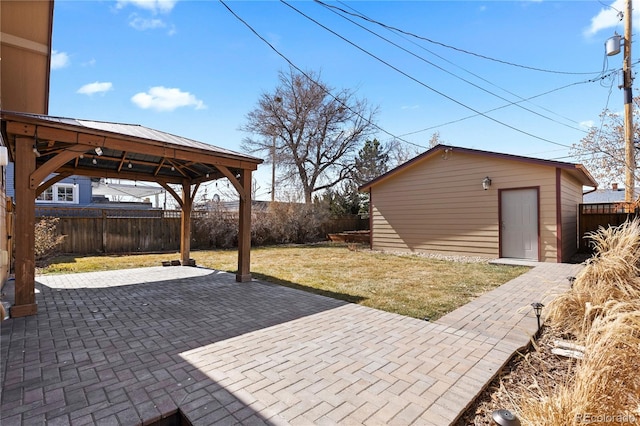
x=131, y=347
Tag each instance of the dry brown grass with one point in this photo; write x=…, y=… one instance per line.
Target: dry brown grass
x=605, y=383
x=602, y=312
x=408, y=285
x=611, y=274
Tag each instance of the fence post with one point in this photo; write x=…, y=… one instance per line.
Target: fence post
x=104, y=231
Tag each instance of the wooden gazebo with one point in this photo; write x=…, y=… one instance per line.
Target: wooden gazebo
x=47, y=149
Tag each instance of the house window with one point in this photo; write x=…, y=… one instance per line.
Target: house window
x=47, y=195
x=59, y=193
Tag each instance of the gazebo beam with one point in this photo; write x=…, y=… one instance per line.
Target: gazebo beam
x=51, y=166
x=235, y=182
x=52, y=181
x=173, y=193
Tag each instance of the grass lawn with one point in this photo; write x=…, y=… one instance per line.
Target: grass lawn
x=409, y=285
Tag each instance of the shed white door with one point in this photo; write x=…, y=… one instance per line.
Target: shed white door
x=519, y=227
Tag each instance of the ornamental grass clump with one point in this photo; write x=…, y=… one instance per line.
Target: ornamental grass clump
x=611, y=274
x=603, y=387
x=602, y=313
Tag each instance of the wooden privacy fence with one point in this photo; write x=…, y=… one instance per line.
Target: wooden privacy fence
x=92, y=230
x=596, y=215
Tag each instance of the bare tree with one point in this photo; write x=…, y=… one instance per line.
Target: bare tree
x=310, y=132
x=400, y=152
x=435, y=140
x=602, y=150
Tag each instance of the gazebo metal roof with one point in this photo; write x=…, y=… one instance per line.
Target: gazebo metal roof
x=153, y=155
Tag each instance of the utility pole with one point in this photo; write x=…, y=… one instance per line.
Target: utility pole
x=278, y=104
x=630, y=157
x=273, y=170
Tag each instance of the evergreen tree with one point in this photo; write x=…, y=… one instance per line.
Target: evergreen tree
x=371, y=162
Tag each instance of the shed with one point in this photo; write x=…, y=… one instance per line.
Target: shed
x=461, y=201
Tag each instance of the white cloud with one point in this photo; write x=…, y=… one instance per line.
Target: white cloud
x=97, y=87
x=607, y=18
x=162, y=98
x=587, y=124
x=155, y=6
x=410, y=107
x=142, y=24
x=59, y=60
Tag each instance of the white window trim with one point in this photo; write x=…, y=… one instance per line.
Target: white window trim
x=54, y=188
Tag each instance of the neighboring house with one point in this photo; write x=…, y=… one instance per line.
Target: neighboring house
x=232, y=206
x=81, y=191
x=608, y=195
x=74, y=191
x=462, y=201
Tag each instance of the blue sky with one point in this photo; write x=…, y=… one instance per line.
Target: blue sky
x=192, y=68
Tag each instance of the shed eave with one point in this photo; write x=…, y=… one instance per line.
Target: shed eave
x=578, y=170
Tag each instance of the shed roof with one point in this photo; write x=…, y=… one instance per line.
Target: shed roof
x=577, y=170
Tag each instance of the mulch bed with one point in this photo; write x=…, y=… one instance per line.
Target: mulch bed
x=537, y=367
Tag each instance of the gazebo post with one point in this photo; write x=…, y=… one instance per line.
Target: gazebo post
x=25, y=217
x=185, y=231
x=244, y=229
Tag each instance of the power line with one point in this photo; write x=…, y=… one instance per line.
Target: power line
x=309, y=78
x=600, y=74
x=399, y=138
x=592, y=80
x=422, y=83
x=357, y=15
x=453, y=74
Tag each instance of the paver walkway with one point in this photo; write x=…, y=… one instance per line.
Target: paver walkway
x=133, y=346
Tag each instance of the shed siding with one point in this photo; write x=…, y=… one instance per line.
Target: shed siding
x=571, y=196
x=438, y=205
